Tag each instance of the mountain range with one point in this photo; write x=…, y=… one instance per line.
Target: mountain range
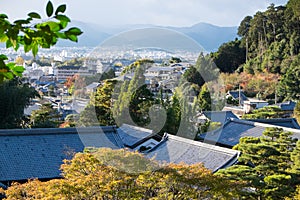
x=209, y=36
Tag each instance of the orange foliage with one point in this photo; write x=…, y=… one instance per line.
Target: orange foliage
x=97, y=175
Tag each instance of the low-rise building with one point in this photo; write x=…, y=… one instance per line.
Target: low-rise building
x=252, y=104
x=62, y=73
x=234, y=129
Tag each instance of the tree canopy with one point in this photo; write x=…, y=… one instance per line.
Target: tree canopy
x=121, y=174
x=266, y=164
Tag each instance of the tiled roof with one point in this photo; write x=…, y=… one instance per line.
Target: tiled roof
x=234, y=129
x=219, y=116
x=235, y=94
x=177, y=149
x=287, y=106
x=38, y=153
x=92, y=85
x=130, y=135
x=285, y=122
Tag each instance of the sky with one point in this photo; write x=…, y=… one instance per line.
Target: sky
x=179, y=13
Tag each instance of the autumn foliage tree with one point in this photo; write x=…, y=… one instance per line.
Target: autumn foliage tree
x=121, y=174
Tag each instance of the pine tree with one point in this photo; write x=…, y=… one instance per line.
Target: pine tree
x=264, y=165
x=98, y=111
x=204, y=99
x=45, y=117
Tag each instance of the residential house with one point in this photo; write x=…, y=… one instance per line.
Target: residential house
x=219, y=116
x=92, y=87
x=234, y=129
x=287, y=107
x=252, y=104
x=238, y=96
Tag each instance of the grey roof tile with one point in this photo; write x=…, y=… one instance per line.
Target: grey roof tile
x=39, y=153
x=130, y=135
x=177, y=149
x=219, y=116
x=235, y=94
x=230, y=134
x=287, y=106
x=285, y=122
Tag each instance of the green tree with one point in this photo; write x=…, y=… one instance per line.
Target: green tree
x=267, y=112
x=98, y=111
x=229, y=56
x=297, y=111
x=295, y=157
x=175, y=60
x=134, y=99
x=45, y=117
x=289, y=87
x=193, y=76
x=204, y=99
x=140, y=103
x=173, y=115
x=244, y=26
x=14, y=97
x=264, y=165
x=33, y=33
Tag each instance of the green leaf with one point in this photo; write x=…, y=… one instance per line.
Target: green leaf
x=18, y=70
x=21, y=21
x=10, y=65
x=8, y=44
x=3, y=38
x=61, y=8
x=74, y=31
x=34, y=49
x=8, y=75
x=72, y=38
x=27, y=40
x=61, y=35
x=49, y=9
x=34, y=15
x=63, y=24
x=3, y=57
x=3, y=16
x=62, y=18
x=27, y=47
x=53, y=26
x=2, y=65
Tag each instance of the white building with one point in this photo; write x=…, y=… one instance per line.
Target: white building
x=253, y=104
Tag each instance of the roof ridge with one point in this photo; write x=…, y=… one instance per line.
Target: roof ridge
x=137, y=128
x=118, y=138
x=242, y=121
x=53, y=131
x=202, y=144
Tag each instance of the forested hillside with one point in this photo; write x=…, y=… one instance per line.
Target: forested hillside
x=268, y=44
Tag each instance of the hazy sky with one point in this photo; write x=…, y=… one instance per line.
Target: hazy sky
x=158, y=12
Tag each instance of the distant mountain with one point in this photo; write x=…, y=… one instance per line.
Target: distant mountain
x=209, y=36
x=92, y=35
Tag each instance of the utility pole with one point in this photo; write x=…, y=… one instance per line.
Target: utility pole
x=239, y=95
x=246, y=49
